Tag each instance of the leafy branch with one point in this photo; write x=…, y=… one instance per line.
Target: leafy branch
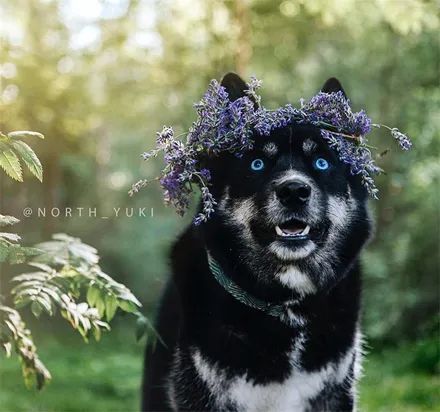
x=66, y=278
x=68, y=271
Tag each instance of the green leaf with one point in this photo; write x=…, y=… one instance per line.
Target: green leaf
x=127, y=306
x=141, y=327
x=29, y=158
x=25, y=134
x=19, y=254
x=8, y=349
x=8, y=220
x=100, y=306
x=42, y=374
x=25, y=277
x=36, y=309
x=97, y=333
x=111, y=304
x=41, y=266
x=93, y=294
x=10, y=236
x=16, y=255
x=10, y=163
x=45, y=303
x=126, y=295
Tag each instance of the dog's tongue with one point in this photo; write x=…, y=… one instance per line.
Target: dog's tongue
x=292, y=229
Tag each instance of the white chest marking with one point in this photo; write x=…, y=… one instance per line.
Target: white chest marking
x=295, y=279
x=293, y=394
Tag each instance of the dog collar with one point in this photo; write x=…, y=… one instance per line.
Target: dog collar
x=272, y=309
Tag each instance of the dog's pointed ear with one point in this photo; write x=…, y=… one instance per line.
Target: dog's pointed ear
x=333, y=85
x=234, y=85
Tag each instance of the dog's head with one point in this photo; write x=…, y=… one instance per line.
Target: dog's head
x=299, y=217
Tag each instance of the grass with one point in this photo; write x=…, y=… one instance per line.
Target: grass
x=90, y=377
x=106, y=377
x=402, y=380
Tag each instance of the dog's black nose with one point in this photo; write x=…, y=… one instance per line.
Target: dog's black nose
x=293, y=193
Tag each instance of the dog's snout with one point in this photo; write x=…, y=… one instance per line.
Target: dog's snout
x=293, y=193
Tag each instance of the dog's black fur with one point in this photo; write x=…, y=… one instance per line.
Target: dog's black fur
x=223, y=355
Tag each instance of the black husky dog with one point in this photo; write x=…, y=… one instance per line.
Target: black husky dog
x=262, y=310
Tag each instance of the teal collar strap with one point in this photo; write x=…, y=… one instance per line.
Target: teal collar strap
x=272, y=309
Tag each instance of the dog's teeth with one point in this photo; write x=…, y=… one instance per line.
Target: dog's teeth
x=279, y=231
x=306, y=230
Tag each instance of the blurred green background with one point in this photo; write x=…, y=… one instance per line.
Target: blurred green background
x=99, y=77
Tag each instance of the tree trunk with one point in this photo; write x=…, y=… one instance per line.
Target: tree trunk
x=243, y=51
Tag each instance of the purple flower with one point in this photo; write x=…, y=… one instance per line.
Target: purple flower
x=332, y=110
x=208, y=204
x=166, y=135
x=138, y=186
x=402, y=139
x=362, y=123
x=253, y=85
x=206, y=174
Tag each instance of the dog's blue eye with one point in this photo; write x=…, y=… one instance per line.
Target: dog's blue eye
x=321, y=164
x=257, y=165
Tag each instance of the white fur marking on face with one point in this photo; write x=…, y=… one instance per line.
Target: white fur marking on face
x=338, y=212
x=241, y=214
x=238, y=214
x=309, y=146
x=293, y=278
x=286, y=253
x=243, y=211
x=292, y=394
x=270, y=149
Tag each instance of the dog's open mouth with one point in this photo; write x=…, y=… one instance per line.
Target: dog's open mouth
x=293, y=230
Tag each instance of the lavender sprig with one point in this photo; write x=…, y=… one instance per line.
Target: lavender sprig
x=401, y=138
x=253, y=86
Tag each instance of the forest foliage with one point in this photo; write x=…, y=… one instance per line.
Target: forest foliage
x=98, y=84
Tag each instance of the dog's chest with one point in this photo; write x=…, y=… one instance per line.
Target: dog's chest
x=240, y=392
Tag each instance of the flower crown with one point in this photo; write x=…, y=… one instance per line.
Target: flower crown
x=229, y=126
